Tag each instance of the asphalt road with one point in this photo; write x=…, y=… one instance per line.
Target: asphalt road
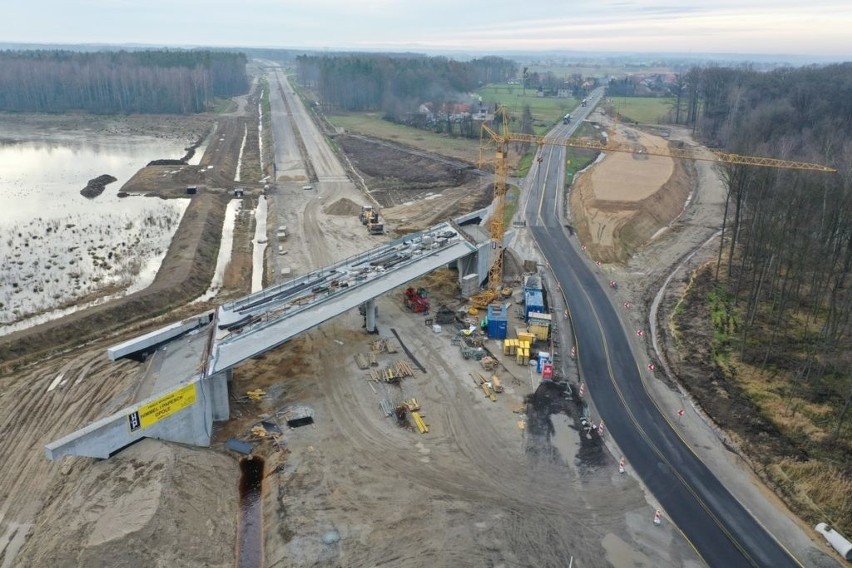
x=717, y=525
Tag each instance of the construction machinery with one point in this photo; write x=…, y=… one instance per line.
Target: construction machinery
x=368, y=213
x=500, y=138
x=417, y=300
x=369, y=216
x=376, y=227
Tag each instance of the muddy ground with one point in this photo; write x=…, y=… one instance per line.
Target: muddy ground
x=397, y=174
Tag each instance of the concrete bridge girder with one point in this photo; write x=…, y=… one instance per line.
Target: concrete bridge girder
x=185, y=413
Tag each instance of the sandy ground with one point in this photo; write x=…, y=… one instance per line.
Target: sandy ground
x=471, y=492
x=476, y=491
x=619, y=204
x=154, y=504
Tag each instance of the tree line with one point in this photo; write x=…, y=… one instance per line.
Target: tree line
x=152, y=81
x=396, y=84
x=785, y=258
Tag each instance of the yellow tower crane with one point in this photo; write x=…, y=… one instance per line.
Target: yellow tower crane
x=501, y=140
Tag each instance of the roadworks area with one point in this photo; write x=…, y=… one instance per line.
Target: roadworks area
x=513, y=480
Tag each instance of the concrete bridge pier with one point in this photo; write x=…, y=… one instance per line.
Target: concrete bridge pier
x=370, y=315
x=219, y=387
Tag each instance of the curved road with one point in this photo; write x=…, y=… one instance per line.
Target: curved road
x=718, y=526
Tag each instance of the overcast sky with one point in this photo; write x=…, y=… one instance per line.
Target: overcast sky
x=798, y=27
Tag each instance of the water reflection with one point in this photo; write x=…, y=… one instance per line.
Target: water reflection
x=57, y=246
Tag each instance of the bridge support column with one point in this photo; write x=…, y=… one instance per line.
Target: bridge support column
x=219, y=400
x=371, y=315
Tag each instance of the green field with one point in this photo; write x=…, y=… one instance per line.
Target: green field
x=644, y=110
x=594, y=70
x=546, y=111
x=372, y=124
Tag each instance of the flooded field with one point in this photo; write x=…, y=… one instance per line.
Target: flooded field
x=59, y=248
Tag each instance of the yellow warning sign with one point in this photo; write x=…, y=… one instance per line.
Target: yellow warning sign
x=165, y=406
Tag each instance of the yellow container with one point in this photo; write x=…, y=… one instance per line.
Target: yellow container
x=540, y=331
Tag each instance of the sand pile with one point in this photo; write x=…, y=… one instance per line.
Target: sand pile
x=153, y=504
x=343, y=206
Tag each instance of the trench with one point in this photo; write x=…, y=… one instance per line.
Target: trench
x=250, y=524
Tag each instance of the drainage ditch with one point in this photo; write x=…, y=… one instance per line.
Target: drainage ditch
x=250, y=527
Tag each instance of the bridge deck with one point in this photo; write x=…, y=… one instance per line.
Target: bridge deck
x=261, y=321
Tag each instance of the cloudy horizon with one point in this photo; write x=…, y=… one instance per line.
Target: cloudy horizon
x=781, y=27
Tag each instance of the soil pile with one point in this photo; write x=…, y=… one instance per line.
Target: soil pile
x=154, y=504
x=343, y=206
x=620, y=203
x=96, y=186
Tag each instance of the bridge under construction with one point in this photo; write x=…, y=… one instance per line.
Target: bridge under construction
x=189, y=363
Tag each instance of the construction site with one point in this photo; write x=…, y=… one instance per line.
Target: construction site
x=388, y=398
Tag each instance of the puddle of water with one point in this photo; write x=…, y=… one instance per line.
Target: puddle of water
x=260, y=131
x=250, y=529
x=55, y=244
x=564, y=437
x=226, y=245
x=259, y=245
x=240, y=158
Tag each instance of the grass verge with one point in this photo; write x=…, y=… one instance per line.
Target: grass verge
x=372, y=124
x=785, y=422
x=546, y=111
x=644, y=110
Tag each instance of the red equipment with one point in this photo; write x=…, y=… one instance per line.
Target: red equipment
x=417, y=300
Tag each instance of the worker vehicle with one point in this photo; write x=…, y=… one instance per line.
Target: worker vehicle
x=417, y=300
x=566, y=119
x=376, y=227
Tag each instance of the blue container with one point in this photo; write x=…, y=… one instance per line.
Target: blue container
x=533, y=302
x=497, y=329
x=542, y=358
x=498, y=312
